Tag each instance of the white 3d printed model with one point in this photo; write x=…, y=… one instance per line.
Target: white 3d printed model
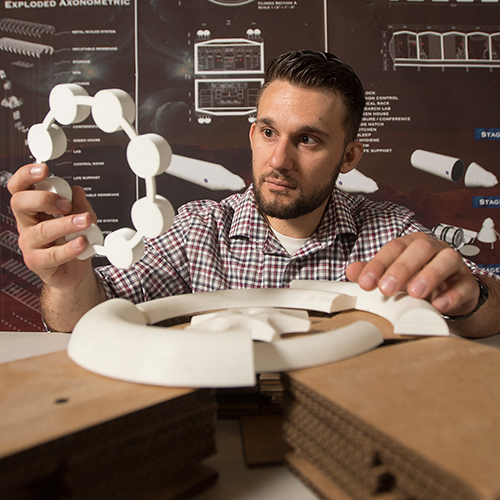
x=148, y=155
x=263, y=323
x=409, y=316
x=116, y=338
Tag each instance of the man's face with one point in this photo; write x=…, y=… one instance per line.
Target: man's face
x=298, y=149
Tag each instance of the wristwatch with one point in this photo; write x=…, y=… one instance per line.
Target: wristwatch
x=484, y=293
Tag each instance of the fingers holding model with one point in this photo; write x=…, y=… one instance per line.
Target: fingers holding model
x=44, y=219
x=423, y=267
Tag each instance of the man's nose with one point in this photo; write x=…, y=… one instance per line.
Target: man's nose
x=282, y=157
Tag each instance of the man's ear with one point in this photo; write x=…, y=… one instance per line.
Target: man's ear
x=251, y=133
x=352, y=156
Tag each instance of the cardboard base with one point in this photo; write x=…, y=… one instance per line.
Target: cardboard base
x=71, y=434
x=416, y=420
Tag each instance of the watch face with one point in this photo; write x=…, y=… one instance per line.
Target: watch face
x=231, y=2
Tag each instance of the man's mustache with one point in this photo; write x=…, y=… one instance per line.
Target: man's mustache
x=279, y=177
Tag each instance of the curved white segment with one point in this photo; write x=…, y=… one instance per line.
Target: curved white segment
x=409, y=316
x=114, y=340
x=420, y=321
x=338, y=287
x=262, y=323
x=311, y=299
x=316, y=349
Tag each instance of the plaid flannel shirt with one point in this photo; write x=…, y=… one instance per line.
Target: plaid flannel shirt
x=228, y=245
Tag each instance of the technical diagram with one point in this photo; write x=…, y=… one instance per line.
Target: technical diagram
x=414, y=47
x=488, y=233
x=226, y=70
x=355, y=181
x=226, y=97
x=477, y=176
x=452, y=235
x=229, y=56
x=25, y=28
x=36, y=52
x=452, y=169
x=444, y=166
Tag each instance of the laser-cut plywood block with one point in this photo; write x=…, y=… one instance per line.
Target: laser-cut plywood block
x=413, y=420
x=69, y=433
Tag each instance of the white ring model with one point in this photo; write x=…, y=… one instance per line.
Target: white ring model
x=116, y=338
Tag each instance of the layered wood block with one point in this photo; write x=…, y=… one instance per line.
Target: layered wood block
x=417, y=420
x=68, y=433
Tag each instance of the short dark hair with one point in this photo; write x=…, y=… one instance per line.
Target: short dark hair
x=315, y=69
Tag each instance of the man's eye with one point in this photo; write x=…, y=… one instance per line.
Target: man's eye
x=268, y=132
x=308, y=140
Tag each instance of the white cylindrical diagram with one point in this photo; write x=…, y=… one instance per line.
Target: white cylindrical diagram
x=452, y=235
x=447, y=167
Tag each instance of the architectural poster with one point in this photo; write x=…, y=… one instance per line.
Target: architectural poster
x=431, y=128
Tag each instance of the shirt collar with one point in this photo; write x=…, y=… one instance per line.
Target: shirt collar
x=338, y=215
x=247, y=221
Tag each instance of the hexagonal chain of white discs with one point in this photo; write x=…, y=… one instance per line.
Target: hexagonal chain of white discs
x=148, y=155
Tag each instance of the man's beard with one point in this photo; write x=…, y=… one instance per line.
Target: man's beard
x=279, y=208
